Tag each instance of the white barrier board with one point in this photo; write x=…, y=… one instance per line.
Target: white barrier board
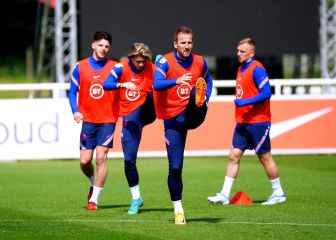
x=37, y=129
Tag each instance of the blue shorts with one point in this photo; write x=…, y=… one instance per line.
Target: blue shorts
x=143, y=115
x=190, y=118
x=252, y=136
x=96, y=134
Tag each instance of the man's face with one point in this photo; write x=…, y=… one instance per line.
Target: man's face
x=100, y=49
x=183, y=44
x=244, y=52
x=139, y=62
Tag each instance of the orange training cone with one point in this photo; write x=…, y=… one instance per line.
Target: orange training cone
x=241, y=198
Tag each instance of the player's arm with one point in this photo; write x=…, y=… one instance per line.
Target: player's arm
x=160, y=82
x=112, y=80
x=208, y=78
x=262, y=82
x=74, y=86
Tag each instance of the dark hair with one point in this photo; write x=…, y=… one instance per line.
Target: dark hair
x=99, y=35
x=182, y=29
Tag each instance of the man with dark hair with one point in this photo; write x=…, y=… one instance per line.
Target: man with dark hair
x=134, y=78
x=182, y=85
x=97, y=110
x=253, y=117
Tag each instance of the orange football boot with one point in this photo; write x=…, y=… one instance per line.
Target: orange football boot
x=201, y=88
x=91, y=206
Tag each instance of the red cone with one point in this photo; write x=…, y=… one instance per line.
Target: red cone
x=241, y=198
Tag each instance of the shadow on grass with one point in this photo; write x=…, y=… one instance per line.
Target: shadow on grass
x=113, y=206
x=156, y=210
x=205, y=219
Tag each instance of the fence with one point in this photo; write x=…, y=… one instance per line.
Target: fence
x=298, y=87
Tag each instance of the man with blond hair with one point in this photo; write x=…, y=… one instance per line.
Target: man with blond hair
x=253, y=117
x=134, y=77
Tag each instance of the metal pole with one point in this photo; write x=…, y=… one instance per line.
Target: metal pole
x=323, y=39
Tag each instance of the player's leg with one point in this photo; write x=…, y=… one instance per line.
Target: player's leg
x=195, y=115
x=239, y=143
x=262, y=143
x=131, y=137
x=86, y=164
x=175, y=135
x=101, y=166
x=148, y=115
x=271, y=169
x=87, y=145
x=270, y=166
x=104, y=141
x=87, y=168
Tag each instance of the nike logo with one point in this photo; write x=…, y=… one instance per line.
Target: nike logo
x=280, y=128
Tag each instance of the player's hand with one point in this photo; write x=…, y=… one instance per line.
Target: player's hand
x=184, y=79
x=78, y=117
x=128, y=85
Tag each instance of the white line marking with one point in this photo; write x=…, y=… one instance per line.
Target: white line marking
x=194, y=221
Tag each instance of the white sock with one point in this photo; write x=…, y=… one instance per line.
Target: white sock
x=95, y=194
x=228, y=182
x=135, y=192
x=276, y=186
x=91, y=179
x=178, y=206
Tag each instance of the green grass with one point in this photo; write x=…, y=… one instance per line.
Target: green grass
x=13, y=71
x=46, y=200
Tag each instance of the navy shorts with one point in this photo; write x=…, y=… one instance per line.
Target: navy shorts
x=252, y=136
x=143, y=115
x=96, y=134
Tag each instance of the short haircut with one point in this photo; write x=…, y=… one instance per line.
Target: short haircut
x=248, y=41
x=99, y=35
x=140, y=49
x=182, y=29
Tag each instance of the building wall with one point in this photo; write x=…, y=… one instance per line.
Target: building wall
x=277, y=26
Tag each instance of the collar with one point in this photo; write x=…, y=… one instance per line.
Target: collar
x=246, y=64
x=185, y=62
x=97, y=63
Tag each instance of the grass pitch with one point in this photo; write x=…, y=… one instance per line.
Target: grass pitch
x=46, y=200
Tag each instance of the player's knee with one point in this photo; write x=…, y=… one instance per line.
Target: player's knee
x=130, y=165
x=234, y=158
x=85, y=161
x=100, y=159
x=265, y=158
x=175, y=172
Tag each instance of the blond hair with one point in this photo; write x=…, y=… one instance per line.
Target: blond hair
x=140, y=49
x=248, y=41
